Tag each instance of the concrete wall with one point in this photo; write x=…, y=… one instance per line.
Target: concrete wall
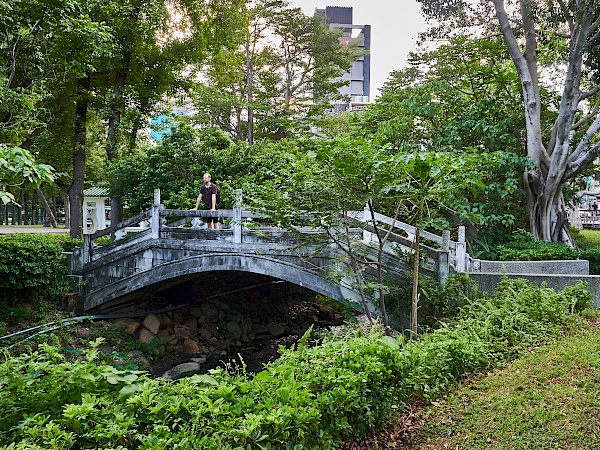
x=569, y=267
x=488, y=281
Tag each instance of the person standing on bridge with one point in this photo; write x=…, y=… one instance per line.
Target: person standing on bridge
x=208, y=196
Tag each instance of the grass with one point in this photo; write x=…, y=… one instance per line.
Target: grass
x=587, y=238
x=549, y=399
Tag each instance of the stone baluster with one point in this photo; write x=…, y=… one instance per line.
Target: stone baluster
x=155, y=219
x=237, y=218
x=444, y=258
x=367, y=235
x=461, y=251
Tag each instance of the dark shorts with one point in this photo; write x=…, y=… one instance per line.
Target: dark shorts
x=210, y=219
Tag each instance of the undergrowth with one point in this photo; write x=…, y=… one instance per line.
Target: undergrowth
x=313, y=397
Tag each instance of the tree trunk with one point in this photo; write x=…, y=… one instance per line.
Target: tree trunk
x=250, y=93
x=556, y=163
x=26, y=206
x=46, y=207
x=79, y=143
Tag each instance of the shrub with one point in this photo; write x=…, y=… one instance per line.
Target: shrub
x=32, y=267
x=592, y=254
x=524, y=247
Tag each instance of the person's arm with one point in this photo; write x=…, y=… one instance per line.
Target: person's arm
x=214, y=200
x=198, y=200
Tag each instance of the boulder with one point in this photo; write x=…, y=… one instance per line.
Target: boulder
x=210, y=313
x=84, y=333
x=196, y=312
x=234, y=330
x=151, y=323
x=131, y=325
x=190, y=347
x=204, y=333
x=183, y=332
x=276, y=329
x=192, y=324
x=182, y=370
x=146, y=336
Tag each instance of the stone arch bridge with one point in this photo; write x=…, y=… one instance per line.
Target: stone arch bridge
x=149, y=250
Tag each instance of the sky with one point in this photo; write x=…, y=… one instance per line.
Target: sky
x=394, y=28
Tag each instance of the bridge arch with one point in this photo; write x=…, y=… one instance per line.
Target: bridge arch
x=211, y=262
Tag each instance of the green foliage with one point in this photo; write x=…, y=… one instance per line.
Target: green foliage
x=310, y=398
x=32, y=267
x=524, y=247
x=18, y=167
x=593, y=256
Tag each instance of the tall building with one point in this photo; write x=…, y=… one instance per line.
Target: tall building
x=359, y=76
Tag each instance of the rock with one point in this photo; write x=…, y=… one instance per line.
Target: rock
x=192, y=324
x=246, y=325
x=204, y=334
x=151, y=323
x=162, y=350
x=276, y=329
x=183, y=332
x=204, y=350
x=210, y=313
x=165, y=321
x=200, y=360
x=182, y=370
x=140, y=360
x=196, y=312
x=234, y=330
x=84, y=333
x=190, y=347
x=326, y=312
x=163, y=333
x=146, y=336
x=178, y=317
x=130, y=324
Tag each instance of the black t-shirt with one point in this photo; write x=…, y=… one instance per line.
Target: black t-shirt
x=207, y=192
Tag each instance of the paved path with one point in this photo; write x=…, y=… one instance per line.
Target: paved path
x=10, y=229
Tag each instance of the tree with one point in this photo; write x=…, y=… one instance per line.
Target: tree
x=462, y=97
x=287, y=69
x=428, y=185
x=542, y=36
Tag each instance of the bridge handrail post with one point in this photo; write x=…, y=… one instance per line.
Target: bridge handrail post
x=86, y=249
x=237, y=217
x=155, y=218
x=367, y=235
x=443, y=265
x=461, y=251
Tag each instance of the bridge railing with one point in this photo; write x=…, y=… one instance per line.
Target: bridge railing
x=148, y=225
x=450, y=254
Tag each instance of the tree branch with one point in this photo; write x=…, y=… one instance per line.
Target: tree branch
x=593, y=113
x=590, y=93
x=567, y=14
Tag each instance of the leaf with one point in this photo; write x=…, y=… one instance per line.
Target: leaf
x=390, y=341
x=208, y=379
x=128, y=390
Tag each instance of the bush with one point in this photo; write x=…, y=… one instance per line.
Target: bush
x=524, y=247
x=32, y=267
x=310, y=398
x=593, y=256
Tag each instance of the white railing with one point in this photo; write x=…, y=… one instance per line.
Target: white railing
x=148, y=225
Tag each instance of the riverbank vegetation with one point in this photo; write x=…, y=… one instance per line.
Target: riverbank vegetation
x=313, y=397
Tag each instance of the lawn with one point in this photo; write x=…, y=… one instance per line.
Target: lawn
x=549, y=399
x=587, y=238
